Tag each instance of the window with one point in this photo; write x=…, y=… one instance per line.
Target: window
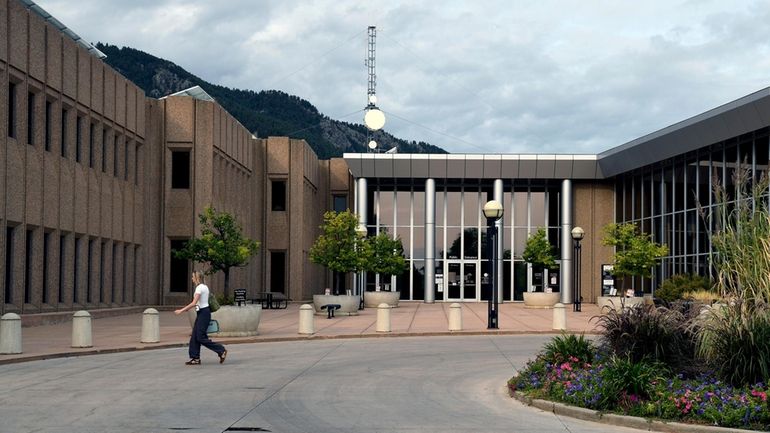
x=180, y=169
x=125, y=273
x=115, y=154
x=62, y=255
x=64, y=114
x=79, y=139
x=9, y=265
x=89, y=269
x=133, y=286
x=278, y=196
x=91, y=130
x=12, y=111
x=46, y=251
x=102, y=271
x=104, y=150
x=114, y=272
x=136, y=164
x=125, y=162
x=278, y=271
x=28, y=267
x=48, y=108
x=179, y=270
x=340, y=203
x=30, y=118
x=76, y=273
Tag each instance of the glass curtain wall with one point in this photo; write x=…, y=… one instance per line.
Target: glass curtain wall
x=671, y=201
x=463, y=267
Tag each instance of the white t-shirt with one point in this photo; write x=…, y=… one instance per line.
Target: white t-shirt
x=203, y=291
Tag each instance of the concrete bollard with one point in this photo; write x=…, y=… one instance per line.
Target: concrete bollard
x=383, y=318
x=81, y=329
x=559, y=317
x=306, y=320
x=10, y=334
x=150, y=326
x=455, y=317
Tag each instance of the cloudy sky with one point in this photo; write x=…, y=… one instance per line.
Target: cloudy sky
x=567, y=76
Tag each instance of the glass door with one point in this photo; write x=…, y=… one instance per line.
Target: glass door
x=462, y=280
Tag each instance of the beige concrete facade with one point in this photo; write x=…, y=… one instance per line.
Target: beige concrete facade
x=594, y=204
x=86, y=197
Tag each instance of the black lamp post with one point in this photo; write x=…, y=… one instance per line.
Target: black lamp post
x=493, y=211
x=577, y=235
x=361, y=232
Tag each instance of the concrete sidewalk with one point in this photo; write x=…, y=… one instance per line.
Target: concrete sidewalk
x=122, y=333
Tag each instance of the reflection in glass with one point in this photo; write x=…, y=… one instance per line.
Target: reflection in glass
x=471, y=243
x=519, y=280
x=403, y=208
x=520, y=208
x=471, y=207
x=439, y=275
x=439, y=251
x=403, y=233
x=453, y=208
x=454, y=280
x=386, y=208
x=469, y=280
x=453, y=242
x=519, y=241
x=506, y=280
x=419, y=208
x=418, y=280
x=418, y=243
x=538, y=209
x=439, y=207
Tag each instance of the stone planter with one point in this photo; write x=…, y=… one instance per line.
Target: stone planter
x=540, y=299
x=234, y=321
x=373, y=299
x=348, y=304
x=616, y=302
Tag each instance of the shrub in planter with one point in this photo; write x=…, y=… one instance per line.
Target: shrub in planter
x=565, y=346
x=675, y=287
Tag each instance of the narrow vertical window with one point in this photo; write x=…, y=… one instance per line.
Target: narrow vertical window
x=133, y=286
x=46, y=251
x=62, y=255
x=91, y=131
x=125, y=162
x=64, y=132
x=179, y=269
x=79, y=139
x=136, y=165
x=114, y=274
x=12, y=110
x=125, y=274
x=89, y=269
x=48, y=108
x=28, y=268
x=9, y=265
x=115, y=170
x=278, y=195
x=278, y=271
x=76, y=269
x=104, y=150
x=102, y=269
x=180, y=169
x=30, y=118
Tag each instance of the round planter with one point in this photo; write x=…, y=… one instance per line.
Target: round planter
x=540, y=299
x=234, y=321
x=373, y=299
x=616, y=302
x=348, y=304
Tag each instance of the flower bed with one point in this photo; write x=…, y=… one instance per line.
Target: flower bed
x=644, y=389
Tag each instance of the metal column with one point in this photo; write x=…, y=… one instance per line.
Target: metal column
x=497, y=193
x=361, y=210
x=430, y=241
x=565, y=273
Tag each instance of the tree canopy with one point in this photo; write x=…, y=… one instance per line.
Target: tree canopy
x=384, y=255
x=635, y=252
x=339, y=248
x=539, y=251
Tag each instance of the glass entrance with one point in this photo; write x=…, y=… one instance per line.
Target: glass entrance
x=462, y=281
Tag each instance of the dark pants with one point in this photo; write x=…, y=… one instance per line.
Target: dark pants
x=199, y=336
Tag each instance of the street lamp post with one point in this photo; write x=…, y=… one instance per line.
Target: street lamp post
x=577, y=235
x=361, y=231
x=493, y=211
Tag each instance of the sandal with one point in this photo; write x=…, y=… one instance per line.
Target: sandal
x=222, y=356
x=193, y=361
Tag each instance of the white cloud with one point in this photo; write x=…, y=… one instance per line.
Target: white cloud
x=499, y=76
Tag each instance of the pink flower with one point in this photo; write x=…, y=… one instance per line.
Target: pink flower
x=760, y=394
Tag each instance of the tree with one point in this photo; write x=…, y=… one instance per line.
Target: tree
x=385, y=255
x=339, y=248
x=635, y=252
x=539, y=252
x=222, y=245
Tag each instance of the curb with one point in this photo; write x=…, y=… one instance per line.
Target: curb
x=619, y=420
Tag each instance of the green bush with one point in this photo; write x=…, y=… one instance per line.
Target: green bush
x=735, y=341
x=675, y=287
x=623, y=377
x=224, y=299
x=561, y=348
x=646, y=332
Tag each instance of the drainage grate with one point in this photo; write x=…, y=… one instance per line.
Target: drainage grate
x=246, y=429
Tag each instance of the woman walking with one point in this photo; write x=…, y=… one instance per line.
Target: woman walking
x=199, y=337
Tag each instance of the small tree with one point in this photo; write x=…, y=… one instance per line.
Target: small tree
x=635, y=252
x=339, y=248
x=222, y=245
x=539, y=252
x=385, y=255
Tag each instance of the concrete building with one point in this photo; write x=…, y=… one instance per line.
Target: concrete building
x=98, y=183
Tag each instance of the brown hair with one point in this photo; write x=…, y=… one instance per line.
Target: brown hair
x=199, y=276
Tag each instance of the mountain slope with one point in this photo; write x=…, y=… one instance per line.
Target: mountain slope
x=268, y=112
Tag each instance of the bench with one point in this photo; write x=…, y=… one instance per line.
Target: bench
x=271, y=300
x=330, y=309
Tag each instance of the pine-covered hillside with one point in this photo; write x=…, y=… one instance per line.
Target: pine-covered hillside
x=267, y=112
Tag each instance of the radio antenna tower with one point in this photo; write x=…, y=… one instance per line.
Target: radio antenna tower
x=374, y=119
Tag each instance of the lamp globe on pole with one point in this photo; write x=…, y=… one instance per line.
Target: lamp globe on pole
x=577, y=235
